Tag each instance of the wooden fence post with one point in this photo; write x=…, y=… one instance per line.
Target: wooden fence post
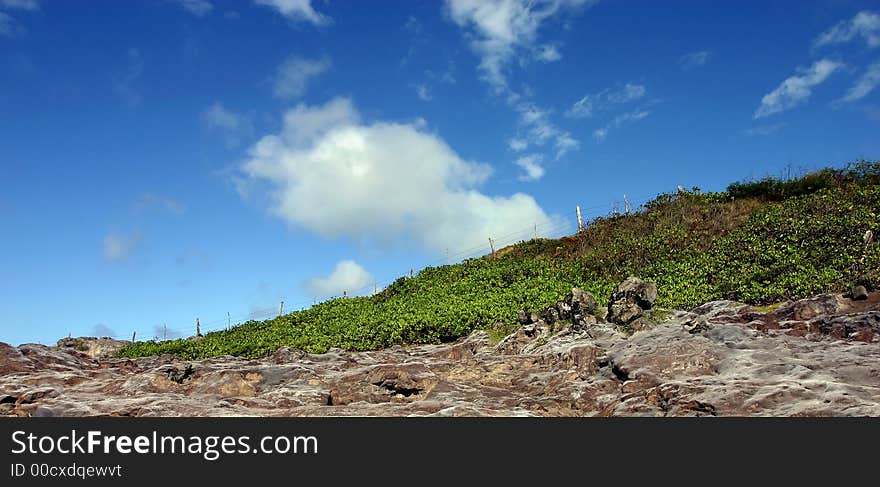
x=281, y=309
x=626, y=203
x=198, y=328
x=164, y=331
x=580, y=221
x=133, y=335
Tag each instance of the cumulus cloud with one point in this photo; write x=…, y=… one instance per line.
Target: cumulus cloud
x=118, y=247
x=865, y=84
x=531, y=166
x=292, y=77
x=331, y=173
x=502, y=29
x=199, y=8
x=865, y=25
x=694, y=60
x=605, y=99
x=347, y=276
x=796, y=89
x=297, y=11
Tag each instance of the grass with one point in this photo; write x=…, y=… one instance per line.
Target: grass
x=759, y=242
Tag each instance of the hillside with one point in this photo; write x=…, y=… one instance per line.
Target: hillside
x=758, y=242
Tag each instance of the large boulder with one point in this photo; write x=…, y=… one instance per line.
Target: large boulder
x=628, y=303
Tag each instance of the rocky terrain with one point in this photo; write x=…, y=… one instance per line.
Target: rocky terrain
x=814, y=357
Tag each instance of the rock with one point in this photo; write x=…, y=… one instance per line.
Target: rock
x=524, y=317
x=813, y=357
x=628, y=302
x=581, y=302
x=859, y=293
x=104, y=347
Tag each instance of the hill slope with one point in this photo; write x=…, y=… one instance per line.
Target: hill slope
x=758, y=242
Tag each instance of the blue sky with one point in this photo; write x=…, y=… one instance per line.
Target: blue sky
x=167, y=160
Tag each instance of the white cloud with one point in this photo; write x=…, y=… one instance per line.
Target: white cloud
x=124, y=83
x=605, y=99
x=501, y=29
x=335, y=175
x=540, y=130
x=796, y=89
x=30, y=5
x=199, y=8
x=292, y=77
x=531, y=165
x=217, y=116
x=297, y=10
x=762, y=130
x=347, y=277
x=694, y=59
x=601, y=134
x=232, y=125
x=517, y=144
x=865, y=25
x=548, y=53
x=423, y=92
x=118, y=247
x=865, y=85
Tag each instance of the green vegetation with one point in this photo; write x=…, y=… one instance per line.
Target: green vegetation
x=758, y=242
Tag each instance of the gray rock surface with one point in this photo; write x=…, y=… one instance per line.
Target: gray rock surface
x=815, y=357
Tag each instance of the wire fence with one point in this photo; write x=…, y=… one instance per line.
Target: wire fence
x=549, y=230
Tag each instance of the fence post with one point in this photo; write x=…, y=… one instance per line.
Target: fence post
x=133, y=335
x=164, y=331
x=198, y=328
x=281, y=309
x=492, y=247
x=580, y=221
x=626, y=204
x=536, y=231
x=410, y=271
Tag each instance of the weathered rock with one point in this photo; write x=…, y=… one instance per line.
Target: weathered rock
x=93, y=347
x=720, y=359
x=859, y=293
x=628, y=303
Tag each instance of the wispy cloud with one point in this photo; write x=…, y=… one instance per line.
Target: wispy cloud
x=865, y=25
x=503, y=30
x=539, y=130
x=118, y=247
x=347, y=277
x=796, y=89
x=762, y=130
x=125, y=82
x=601, y=134
x=423, y=92
x=292, y=77
x=29, y=5
x=297, y=11
x=199, y=8
x=531, y=166
x=694, y=60
x=606, y=99
x=148, y=201
x=517, y=144
x=866, y=83
x=9, y=27
x=232, y=125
